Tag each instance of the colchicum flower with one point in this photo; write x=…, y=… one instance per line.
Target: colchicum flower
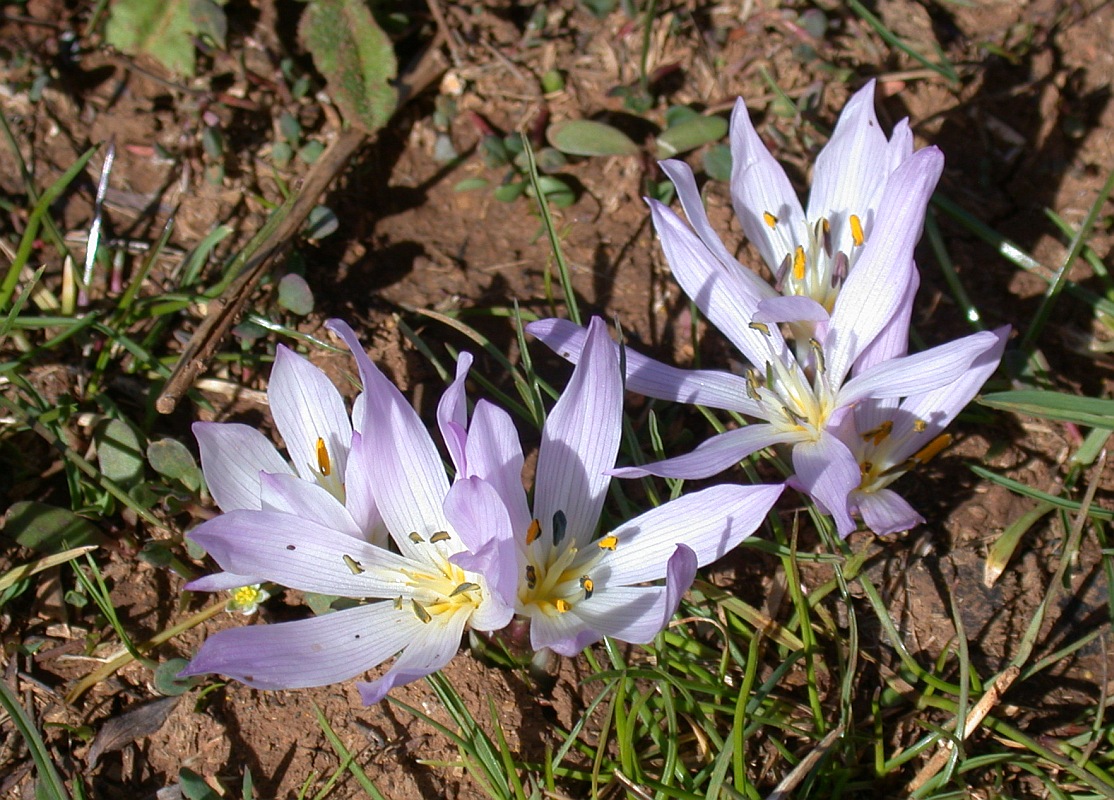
x=810, y=252
x=889, y=437
x=573, y=586
x=302, y=536
x=799, y=398
x=311, y=418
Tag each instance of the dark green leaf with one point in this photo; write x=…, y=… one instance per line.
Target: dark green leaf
x=49, y=529
x=356, y=58
x=119, y=451
x=585, y=137
x=717, y=162
x=690, y=134
x=295, y=295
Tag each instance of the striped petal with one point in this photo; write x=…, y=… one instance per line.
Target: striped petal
x=710, y=523
x=309, y=652
x=580, y=440
x=307, y=408
x=232, y=456
x=652, y=378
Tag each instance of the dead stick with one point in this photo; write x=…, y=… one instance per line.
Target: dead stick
x=225, y=310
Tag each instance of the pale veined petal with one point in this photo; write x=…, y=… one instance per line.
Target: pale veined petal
x=494, y=453
x=580, y=440
x=793, y=308
x=885, y=511
x=565, y=634
x=938, y=407
x=828, y=472
x=725, y=298
x=714, y=454
x=310, y=652
x=479, y=516
x=359, y=494
x=711, y=522
x=430, y=648
x=405, y=470
x=302, y=554
x=850, y=168
x=638, y=614
x=452, y=415
x=232, y=456
x=759, y=186
x=876, y=286
x=920, y=372
x=652, y=378
x=681, y=174
x=308, y=408
x=220, y=582
x=292, y=495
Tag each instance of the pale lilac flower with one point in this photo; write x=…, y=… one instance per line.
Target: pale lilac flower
x=574, y=585
x=889, y=437
x=311, y=418
x=303, y=537
x=809, y=252
x=798, y=400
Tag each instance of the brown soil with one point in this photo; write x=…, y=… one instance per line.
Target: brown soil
x=1028, y=128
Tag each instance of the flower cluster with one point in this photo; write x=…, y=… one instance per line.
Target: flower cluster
x=830, y=375
x=368, y=512
x=364, y=508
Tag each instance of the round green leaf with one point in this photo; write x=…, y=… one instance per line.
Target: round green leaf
x=295, y=295
x=119, y=451
x=166, y=678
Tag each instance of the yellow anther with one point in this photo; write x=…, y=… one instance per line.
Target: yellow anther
x=533, y=532
x=440, y=536
x=353, y=565
x=419, y=611
x=588, y=585
x=769, y=218
x=799, y=264
x=920, y=426
x=531, y=576
x=562, y=604
x=825, y=226
x=752, y=386
x=608, y=543
x=323, y=463
x=929, y=451
x=465, y=587
x=761, y=327
x=878, y=435
x=857, y=231
x=416, y=537
x=818, y=354
x=398, y=603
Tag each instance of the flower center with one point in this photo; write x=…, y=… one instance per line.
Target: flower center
x=877, y=464
x=558, y=573
x=436, y=586
x=792, y=401
x=815, y=267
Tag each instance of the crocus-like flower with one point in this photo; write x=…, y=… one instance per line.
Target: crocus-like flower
x=573, y=585
x=889, y=437
x=798, y=400
x=303, y=537
x=311, y=418
x=810, y=252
